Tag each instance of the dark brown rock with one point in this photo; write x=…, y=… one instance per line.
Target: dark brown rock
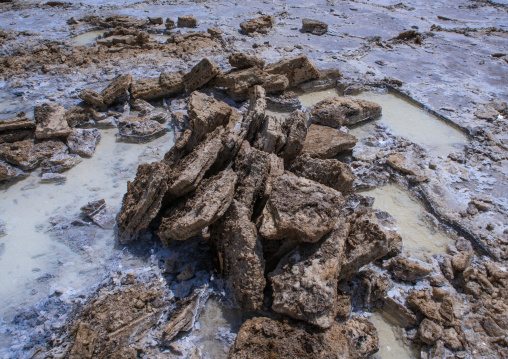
x=16, y=129
x=408, y=269
x=255, y=116
x=200, y=209
x=305, y=280
x=295, y=128
x=139, y=129
x=325, y=142
x=206, y=113
x=297, y=69
x=92, y=98
x=299, y=209
x=260, y=24
x=399, y=312
x=187, y=21
x=172, y=83
x=142, y=201
x=9, y=173
x=253, y=169
x=271, y=138
x=155, y=20
x=83, y=141
x=170, y=24
x=153, y=89
x=239, y=82
x=96, y=330
x=330, y=172
x=241, y=60
x=410, y=35
x=187, y=173
x=80, y=116
x=369, y=239
x=215, y=31
x=340, y=111
x=50, y=119
x=98, y=212
x=201, y=74
x=327, y=79
x=314, y=26
x=429, y=331
x=117, y=88
x=266, y=338
x=422, y=302
x=27, y=155
x=240, y=255
x=60, y=162
x=183, y=318
x=19, y=122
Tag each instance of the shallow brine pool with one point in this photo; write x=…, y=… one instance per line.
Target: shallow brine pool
x=419, y=235
x=37, y=258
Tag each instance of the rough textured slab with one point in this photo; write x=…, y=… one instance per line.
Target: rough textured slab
x=60, y=162
x=117, y=88
x=188, y=172
x=240, y=255
x=325, y=142
x=200, y=209
x=206, y=113
x=370, y=238
x=305, y=281
x=16, y=123
x=241, y=60
x=262, y=338
x=315, y=27
x=260, y=24
x=9, y=173
x=201, y=74
x=330, y=172
x=142, y=201
x=154, y=88
x=341, y=111
x=297, y=69
x=50, y=119
x=300, y=209
x=92, y=98
x=83, y=141
x=295, y=129
x=239, y=82
x=271, y=138
x=139, y=129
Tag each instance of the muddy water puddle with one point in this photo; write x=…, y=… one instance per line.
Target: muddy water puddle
x=402, y=118
x=217, y=329
x=391, y=341
x=309, y=99
x=86, y=39
x=35, y=258
x=419, y=235
x=414, y=123
x=161, y=38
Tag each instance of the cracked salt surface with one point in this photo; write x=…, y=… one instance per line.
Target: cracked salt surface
x=419, y=235
x=37, y=258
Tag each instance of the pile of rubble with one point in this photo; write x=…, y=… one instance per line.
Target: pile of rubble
x=271, y=197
